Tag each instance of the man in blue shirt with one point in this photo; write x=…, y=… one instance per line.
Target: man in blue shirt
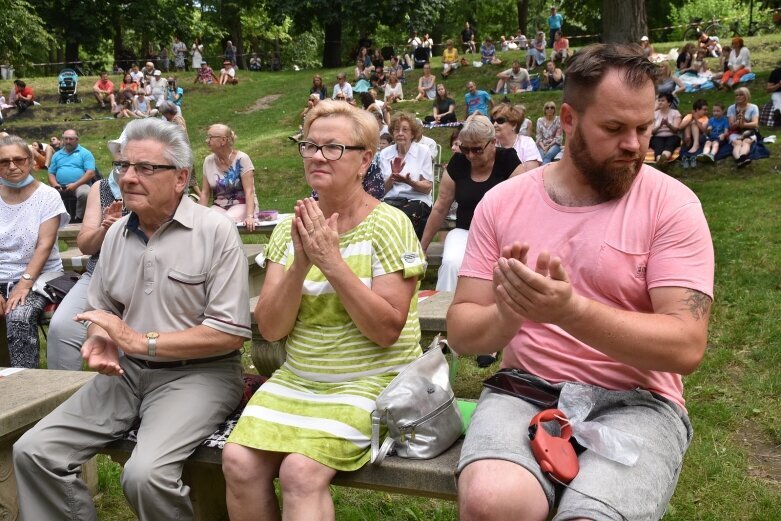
x=555, y=21
x=477, y=101
x=71, y=171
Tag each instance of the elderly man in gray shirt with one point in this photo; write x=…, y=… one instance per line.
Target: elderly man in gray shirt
x=167, y=312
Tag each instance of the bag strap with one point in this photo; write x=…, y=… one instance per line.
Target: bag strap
x=379, y=452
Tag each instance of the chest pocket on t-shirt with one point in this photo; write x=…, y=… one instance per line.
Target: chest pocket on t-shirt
x=621, y=276
x=186, y=292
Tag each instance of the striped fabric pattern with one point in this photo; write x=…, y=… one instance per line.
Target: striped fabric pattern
x=320, y=401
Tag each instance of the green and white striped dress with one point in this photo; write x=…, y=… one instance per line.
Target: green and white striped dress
x=319, y=402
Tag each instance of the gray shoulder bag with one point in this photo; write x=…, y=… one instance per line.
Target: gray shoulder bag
x=419, y=409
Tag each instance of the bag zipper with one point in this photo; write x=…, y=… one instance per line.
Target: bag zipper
x=423, y=419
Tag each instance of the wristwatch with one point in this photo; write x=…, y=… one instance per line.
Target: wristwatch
x=27, y=276
x=151, y=343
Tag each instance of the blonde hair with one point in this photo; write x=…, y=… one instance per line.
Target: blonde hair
x=225, y=131
x=477, y=129
x=745, y=92
x=364, y=128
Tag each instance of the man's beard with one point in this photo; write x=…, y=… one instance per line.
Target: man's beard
x=610, y=181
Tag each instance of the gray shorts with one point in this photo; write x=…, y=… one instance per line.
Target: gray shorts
x=499, y=430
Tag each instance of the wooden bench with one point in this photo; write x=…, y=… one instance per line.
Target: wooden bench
x=74, y=260
x=203, y=474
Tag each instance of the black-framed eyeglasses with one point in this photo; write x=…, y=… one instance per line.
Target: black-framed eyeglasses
x=478, y=151
x=330, y=151
x=20, y=162
x=143, y=169
x=500, y=120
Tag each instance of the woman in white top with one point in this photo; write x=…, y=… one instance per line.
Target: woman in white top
x=197, y=53
x=408, y=171
x=393, y=92
x=229, y=175
x=30, y=215
x=507, y=121
x=739, y=64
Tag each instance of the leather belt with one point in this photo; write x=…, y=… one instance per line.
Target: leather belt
x=151, y=364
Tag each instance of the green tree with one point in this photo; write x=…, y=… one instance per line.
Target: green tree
x=22, y=32
x=334, y=15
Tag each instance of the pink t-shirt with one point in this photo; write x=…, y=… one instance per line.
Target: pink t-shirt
x=614, y=253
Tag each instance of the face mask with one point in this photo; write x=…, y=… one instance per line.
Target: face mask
x=114, y=185
x=20, y=184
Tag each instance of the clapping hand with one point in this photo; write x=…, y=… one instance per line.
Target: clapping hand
x=111, y=213
x=543, y=295
x=397, y=165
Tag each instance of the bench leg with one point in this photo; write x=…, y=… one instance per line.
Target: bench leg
x=207, y=491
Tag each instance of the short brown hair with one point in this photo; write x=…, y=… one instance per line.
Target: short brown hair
x=587, y=68
x=417, y=130
x=508, y=112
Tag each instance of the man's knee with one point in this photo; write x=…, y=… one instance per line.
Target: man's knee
x=143, y=474
x=517, y=496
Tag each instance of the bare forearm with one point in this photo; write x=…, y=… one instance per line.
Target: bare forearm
x=474, y=329
x=374, y=316
x=88, y=175
x=279, y=303
x=649, y=341
x=420, y=185
x=434, y=223
x=195, y=342
x=90, y=240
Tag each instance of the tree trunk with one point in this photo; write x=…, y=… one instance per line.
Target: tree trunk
x=232, y=14
x=523, y=15
x=71, y=51
x=119, y=44
x=332, y=47
x=623, y=21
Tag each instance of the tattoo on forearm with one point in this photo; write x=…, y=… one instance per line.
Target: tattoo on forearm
x=698, y=303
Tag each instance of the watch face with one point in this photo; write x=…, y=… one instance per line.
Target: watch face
x=27, y=276
x=152, y=334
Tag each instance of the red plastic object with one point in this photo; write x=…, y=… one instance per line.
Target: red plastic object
x=555, y=454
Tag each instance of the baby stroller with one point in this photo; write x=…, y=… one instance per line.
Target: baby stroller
x=67, y=86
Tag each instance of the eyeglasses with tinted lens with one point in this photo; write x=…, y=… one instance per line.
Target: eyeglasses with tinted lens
x=550, y=108
x=330, y=151
x=142, y=169
x=478, y=151
x=500, y=120
x=20, y=162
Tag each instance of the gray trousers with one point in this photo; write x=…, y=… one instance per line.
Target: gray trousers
x=66, y=336
x=178, y=409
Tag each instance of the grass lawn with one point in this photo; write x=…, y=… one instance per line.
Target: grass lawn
x=733, y=469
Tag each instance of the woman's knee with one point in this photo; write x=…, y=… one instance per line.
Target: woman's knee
x=243, y=465
x=302, y=476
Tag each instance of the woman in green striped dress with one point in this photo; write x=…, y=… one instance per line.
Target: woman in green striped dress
x=341, y=285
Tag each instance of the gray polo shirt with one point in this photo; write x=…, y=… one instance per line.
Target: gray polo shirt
x=192, y=271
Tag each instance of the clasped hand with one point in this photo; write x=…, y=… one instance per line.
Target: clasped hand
x=542, y=295
x=315, y=238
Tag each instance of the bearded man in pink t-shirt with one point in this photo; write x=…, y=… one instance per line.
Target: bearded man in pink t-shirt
x=594, y=276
